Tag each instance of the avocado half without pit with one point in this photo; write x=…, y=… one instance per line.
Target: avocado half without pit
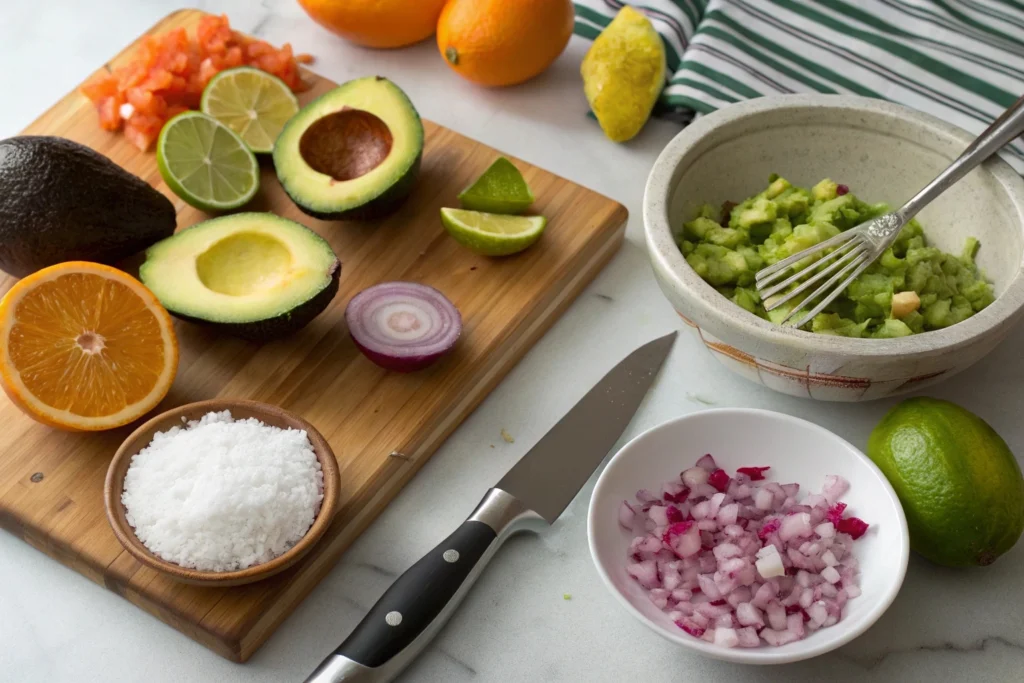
x=352, y=153
x=253, y=275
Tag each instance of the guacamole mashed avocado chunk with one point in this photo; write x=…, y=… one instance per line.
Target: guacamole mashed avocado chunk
x=912, y=288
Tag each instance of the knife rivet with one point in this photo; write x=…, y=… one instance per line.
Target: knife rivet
x=451, y=556
x=393, y=618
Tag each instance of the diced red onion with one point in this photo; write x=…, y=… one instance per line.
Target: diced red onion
x=645, y=496
x=755, y=473
x=674, y=492
x=834, y=488
x=726, y=637
x=626, y=515
x=747, y=637
x=853, y=526
x=707, y=462
x=720, y=480
x=403, y=326
x=741, y=561
x=695, y=476
x=728, y=514
x=796, y=526
x=764, y=500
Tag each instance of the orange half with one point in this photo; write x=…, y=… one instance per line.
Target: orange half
x=85, y=347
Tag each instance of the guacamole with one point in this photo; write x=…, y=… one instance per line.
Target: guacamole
x=912, y=288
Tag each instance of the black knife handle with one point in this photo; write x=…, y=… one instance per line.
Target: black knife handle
x=417, y=597
x=420, y=601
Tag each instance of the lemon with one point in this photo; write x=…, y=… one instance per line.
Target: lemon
x=623, y=74
x=960, y=486
x=205, y=163
x=501, y=189
x=492, y=234
x=253, y=103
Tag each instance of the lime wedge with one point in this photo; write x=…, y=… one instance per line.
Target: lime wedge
x=492, y=234
x=501, y=189
x=206, y=163
x=253, y=103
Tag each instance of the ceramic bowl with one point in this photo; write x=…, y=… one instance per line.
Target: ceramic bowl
x=884, y=152
x=796, y=451
x=176, y=417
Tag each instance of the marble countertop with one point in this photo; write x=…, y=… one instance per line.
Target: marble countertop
x=57, y=626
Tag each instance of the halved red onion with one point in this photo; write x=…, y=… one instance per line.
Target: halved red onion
x=403, y=326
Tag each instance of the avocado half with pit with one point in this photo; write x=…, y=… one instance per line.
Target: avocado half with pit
x=253, y=275
x=352, y=153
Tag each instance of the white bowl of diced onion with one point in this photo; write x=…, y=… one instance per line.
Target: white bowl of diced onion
x=796, y=451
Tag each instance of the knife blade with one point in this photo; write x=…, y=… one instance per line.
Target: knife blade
x=529, y=497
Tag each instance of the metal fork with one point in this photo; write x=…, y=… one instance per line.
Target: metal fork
x=859, y=247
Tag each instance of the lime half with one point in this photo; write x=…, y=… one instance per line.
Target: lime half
x=206, y=163
x=501, y=189
x=253, y=103
x=492, y=234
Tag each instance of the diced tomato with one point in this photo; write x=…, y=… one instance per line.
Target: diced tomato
x=168, y=73
x=142, y=130
x=233, y=57
x=110, y=113
x=101, y=88
x=207, y=70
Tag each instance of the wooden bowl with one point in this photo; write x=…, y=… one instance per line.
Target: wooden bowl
x=271, y=415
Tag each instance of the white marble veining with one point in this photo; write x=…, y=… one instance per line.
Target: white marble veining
x=57, y=626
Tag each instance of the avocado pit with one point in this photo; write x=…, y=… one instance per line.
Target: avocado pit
x=244, y=263
x=347, y=144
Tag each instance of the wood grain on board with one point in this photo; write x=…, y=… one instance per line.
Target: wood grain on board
x=382, y=426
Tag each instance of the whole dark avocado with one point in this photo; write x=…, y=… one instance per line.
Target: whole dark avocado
x=61, y=201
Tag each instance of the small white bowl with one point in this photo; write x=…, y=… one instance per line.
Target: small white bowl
x=797, y=451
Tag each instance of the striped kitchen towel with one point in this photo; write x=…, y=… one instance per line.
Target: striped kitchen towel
x=960, y=60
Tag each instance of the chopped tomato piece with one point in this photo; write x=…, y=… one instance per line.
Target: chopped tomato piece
x=168, y=73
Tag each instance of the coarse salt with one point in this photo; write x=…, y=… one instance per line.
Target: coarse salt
x=221, y=494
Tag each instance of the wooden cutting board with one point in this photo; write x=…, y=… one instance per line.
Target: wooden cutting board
x=382, y=426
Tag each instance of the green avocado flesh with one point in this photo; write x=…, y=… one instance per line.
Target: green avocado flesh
x=255, y=275
x=352, y=153
x=912, y=288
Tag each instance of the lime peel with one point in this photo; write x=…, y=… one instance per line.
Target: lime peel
x=499, y=189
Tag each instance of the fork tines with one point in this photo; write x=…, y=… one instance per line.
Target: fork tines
x=851, y=253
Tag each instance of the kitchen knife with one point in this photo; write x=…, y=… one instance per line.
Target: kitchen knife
x=529, y=497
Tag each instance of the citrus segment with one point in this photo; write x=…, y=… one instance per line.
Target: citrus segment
x=252, y=103
x=492, y=234
x=85, y=347
x=206, y=163
x=501, y=189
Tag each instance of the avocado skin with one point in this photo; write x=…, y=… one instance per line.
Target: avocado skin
x=278, y=326
x=61, y=201
x=379, y=207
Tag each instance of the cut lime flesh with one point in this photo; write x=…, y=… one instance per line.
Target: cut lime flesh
x=206, y=163
x=492, y=234
x=253, y=103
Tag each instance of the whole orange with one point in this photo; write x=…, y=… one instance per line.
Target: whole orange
x=503, y=42
x=377, y=23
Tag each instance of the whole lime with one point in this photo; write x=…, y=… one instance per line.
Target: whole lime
x=960, y=486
